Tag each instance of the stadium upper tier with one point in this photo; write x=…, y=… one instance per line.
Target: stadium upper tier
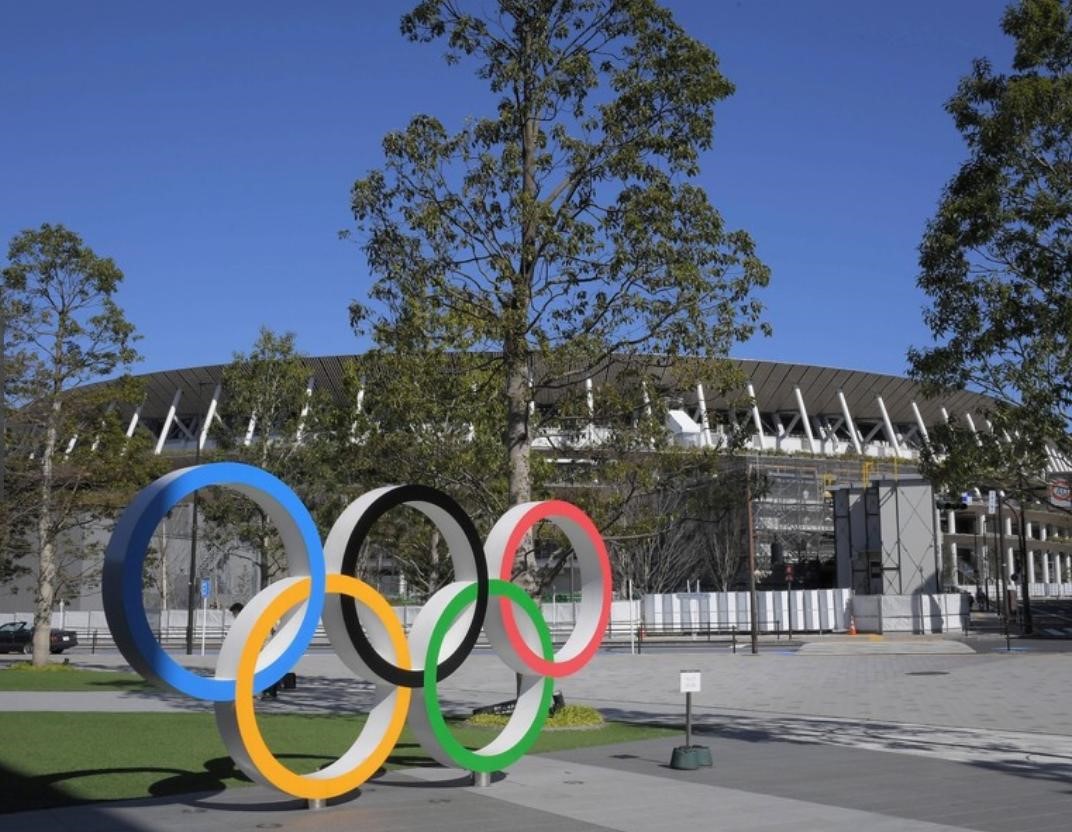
x=789, y=408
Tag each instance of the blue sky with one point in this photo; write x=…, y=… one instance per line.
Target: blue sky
x=210, y=148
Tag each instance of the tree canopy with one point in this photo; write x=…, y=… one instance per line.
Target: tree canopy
x=73, y=463
x=563, y=227
x=997, y=257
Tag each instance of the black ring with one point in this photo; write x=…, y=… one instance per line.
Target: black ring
x=402, y=495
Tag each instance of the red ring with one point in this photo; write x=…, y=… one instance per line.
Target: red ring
x=543, y=511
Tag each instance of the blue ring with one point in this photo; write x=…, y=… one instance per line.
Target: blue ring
x=125, y=558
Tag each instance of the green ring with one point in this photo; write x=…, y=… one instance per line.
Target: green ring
x=474, y=760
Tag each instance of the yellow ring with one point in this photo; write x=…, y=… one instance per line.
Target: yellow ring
x=325, y=783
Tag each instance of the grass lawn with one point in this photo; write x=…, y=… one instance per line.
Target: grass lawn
x=19, y=676
x=51, y=759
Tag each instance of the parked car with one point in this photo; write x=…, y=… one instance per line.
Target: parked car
x=17, y=636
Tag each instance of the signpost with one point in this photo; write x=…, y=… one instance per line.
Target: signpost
x=689, y=756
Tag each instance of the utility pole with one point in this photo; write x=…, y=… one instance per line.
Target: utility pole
x=754, y=612
x=1003, y=566
x=1025, y=603
x=191, y=594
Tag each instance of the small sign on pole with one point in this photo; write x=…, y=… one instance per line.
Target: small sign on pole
x=992, y=502
x=690, y=681
x=689, y=756
x=206, y=587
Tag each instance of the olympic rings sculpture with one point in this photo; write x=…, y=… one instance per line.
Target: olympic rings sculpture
x=361, y=626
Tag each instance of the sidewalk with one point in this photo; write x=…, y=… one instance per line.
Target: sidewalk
x=852, y=736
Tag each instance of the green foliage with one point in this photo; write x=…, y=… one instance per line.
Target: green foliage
x=136, y=755
x=561, y=233
x=270, y=386
x=66, y=461
x=566, y=718
x=997, y=257
x=57, y=676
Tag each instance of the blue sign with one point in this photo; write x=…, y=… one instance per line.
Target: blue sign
x=206, y=587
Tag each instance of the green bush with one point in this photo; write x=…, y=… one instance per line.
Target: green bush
x=567, y=718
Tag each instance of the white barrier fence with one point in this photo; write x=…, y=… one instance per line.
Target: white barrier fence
x=680, y=613
x=170, y=625
x=777, y=611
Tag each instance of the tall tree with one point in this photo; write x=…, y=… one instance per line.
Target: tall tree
x=997, y=257
x=564, y=229
x=67, y=330
x=268, y=411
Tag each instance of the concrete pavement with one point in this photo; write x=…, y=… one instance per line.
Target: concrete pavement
x=921, y=735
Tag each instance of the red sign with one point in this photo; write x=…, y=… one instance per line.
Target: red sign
x=1061, y=493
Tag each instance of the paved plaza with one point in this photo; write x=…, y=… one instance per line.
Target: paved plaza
x=860, y=733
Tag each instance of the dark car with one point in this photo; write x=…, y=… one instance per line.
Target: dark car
x=18, y=636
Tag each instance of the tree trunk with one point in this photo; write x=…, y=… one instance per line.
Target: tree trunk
x=515, y=349
x=46, y=569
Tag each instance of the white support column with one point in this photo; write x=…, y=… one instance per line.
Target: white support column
x=166, y=429
x=890, y=433
x=70, y=446
x=590, y=401
x=804, y=418
x=971, y=426
x=1045, y=553
x=945, y=415
x=1030, y=553
x=1010, y=550
x=647, y=400
x=755, y=416
x=305, y=410
x=210, y=414
x=360, y=407
x=252, y=426
x=133, y=421
x=705, y=440
x=951, y=529
x=919, y=421
x=849, y=423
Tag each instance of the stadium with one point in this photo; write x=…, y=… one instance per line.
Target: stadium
x=812, y=432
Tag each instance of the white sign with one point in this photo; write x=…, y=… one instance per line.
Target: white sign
x=1061, y=493
x=992, y=502
x=690, y=681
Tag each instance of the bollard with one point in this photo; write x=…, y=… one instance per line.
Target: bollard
x=316, y=803
x=93, y=648
x=481, y=779
x=734, y=641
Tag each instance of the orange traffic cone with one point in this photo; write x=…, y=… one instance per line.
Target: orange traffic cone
x=852, y=625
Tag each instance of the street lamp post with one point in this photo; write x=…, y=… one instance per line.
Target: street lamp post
x=754, y=612
x=191, y=594
x=1025, y=603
